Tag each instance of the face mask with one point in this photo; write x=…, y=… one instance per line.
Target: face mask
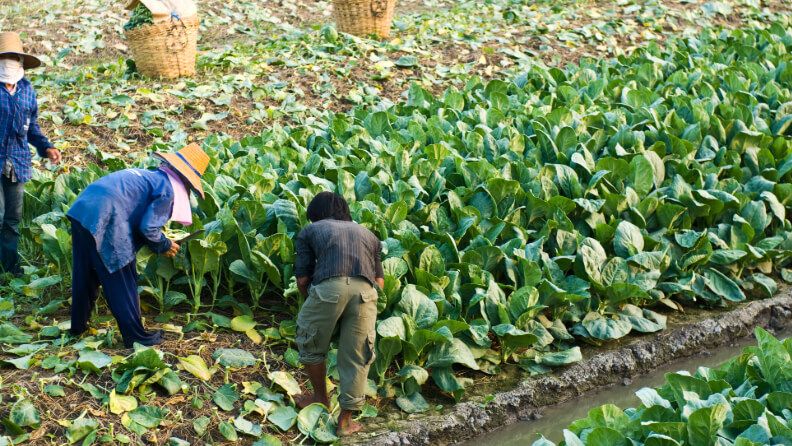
x=11, y=71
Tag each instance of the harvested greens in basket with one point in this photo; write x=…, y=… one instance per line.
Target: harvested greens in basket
x=140, y=16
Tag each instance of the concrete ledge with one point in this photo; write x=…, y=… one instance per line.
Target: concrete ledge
x=600, y=368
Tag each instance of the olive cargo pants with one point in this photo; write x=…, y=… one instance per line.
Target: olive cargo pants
x=352, y=303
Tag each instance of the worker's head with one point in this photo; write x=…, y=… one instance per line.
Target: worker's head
x=190, y=163
x=183, y=179
x=328, y=205
x=11, y=51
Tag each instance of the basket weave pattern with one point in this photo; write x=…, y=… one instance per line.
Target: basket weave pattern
x=165, y=50
x=364, y=17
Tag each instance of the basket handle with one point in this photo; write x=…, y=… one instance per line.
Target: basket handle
x=179, y=30
x=379, y=7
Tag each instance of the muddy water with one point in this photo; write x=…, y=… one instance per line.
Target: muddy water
x=556, y=418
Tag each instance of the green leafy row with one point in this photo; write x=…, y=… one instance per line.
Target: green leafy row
x=516, y=215
x=745, y=402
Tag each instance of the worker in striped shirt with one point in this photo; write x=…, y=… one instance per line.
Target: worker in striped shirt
x=339, y=269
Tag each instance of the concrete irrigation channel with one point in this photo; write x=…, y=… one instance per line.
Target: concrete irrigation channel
x=558, y=417
x=689, y=334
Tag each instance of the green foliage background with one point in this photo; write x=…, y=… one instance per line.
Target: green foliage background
x=514, y=213
x=524, y=209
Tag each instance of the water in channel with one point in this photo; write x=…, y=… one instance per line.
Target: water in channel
x=558, y=417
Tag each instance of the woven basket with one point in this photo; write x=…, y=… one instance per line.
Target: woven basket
x=364, y=17
x=165, y=50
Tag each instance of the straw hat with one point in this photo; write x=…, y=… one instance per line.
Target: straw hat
x=191, y=162
x=10, y=43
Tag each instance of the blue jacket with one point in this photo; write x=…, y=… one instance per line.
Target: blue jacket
x=124, y=211
x=18, y=127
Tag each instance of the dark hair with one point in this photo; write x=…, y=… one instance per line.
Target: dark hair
x=328, y=205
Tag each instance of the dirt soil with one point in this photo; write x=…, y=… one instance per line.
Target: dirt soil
x=519, y=398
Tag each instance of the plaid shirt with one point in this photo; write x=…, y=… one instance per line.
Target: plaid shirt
x=19, y=127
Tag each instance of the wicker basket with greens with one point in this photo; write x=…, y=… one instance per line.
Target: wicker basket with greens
x=163, y=37
x=140, y=16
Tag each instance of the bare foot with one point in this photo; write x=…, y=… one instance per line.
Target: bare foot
x=305, y=400
x=348, y=428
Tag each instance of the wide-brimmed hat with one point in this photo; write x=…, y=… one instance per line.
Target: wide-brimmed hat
x=191, y=162
x=10, y=43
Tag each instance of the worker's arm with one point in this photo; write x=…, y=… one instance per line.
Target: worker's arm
x=304, y=263
x=156, y=216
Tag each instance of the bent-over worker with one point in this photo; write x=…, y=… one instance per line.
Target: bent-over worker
x=340, y=261
x=116, y=216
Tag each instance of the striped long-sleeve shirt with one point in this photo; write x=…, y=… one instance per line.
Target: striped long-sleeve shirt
x=18, y=127
x=335, y=248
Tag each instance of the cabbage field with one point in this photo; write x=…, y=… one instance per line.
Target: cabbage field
x=745, y=402
x=543, y=175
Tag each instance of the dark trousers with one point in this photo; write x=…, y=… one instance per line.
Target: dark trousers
x=11, y=200
x=120, y=291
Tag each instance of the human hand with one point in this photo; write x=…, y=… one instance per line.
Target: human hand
x=174, y=249
x=303, y=283
x=54, y=155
